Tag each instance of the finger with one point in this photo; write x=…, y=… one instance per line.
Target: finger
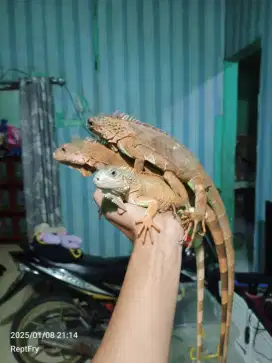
x=145, y=235
x=124, y=230
x=141, y=230
x=150, y=235
x=156, y=228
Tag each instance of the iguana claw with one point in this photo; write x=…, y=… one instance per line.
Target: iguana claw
x=192, y=218
x=147, y=225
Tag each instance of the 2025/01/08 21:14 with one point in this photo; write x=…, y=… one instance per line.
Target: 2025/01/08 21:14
x=43, y=335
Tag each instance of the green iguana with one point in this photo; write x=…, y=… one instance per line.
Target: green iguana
x=143, y=142
x=83, y=155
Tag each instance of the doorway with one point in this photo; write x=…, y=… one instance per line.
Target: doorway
x=245, y=158
x=236, y=150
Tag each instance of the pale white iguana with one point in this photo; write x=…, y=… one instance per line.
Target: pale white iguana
x=149, y=191
x=142, y=142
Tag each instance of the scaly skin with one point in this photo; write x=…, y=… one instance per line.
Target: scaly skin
x=121, y=184
x=87, y=156
x=84, y=154
x=146, y=143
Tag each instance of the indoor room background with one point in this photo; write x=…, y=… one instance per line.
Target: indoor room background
x=161, y=61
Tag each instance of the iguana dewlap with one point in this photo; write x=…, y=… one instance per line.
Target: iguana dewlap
x=124, y=184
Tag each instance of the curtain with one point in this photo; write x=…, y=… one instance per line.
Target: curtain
x=40, y=170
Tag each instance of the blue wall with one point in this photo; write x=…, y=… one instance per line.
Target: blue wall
x=161, y=61
x=246, y=22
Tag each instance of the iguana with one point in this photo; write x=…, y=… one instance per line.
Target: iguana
x=120, y=184
x=87, y=155
x=144, y=142
x=82, y=154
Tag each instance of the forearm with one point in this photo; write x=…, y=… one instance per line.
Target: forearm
x=141, y=325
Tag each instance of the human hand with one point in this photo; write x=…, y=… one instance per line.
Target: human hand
x=170, y=228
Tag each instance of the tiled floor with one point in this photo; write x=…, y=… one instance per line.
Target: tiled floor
x=183, y=335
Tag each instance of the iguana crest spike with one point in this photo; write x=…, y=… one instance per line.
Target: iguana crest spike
x=126, y=117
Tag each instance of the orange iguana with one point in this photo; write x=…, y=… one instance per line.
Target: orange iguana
x=143, y=142
x=87, y=156
x=83, y=155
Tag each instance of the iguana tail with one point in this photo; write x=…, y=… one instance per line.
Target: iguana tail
x=217, y=235
x=200, y=267
x=218, y=207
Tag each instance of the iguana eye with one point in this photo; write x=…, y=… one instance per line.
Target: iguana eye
x=113, y=173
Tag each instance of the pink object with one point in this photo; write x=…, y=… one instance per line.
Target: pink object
x=14, y=136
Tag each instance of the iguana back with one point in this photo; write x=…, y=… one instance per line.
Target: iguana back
x=172, y=155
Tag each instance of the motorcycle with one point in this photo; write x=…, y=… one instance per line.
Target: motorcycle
x=73, y=300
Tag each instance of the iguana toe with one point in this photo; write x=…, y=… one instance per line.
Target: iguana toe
x=147, y=225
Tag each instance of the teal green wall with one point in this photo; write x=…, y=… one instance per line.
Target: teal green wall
x=9, y=107
x=161, y=61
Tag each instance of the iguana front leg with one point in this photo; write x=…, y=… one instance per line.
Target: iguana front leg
x=197, y=215
x=197, y=185
x=117, y=201
x=191, y=216
x=176, y=185
x=147, y=220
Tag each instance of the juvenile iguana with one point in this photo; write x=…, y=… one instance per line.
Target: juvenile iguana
x=144, y=142
x=124, y=184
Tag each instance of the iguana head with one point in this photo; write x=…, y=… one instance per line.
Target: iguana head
x=79, y=155
x=116, y=180
x=110, y=127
